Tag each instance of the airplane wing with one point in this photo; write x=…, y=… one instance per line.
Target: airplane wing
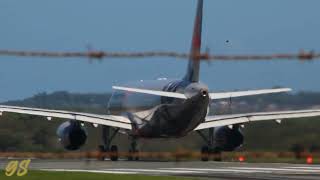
x=107, y=120
x=226, y=120
x=213, y=96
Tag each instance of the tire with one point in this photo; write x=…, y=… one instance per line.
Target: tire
x=217, y=155
x=133, y=155
x=130, y=155
x=137, y=156
x=101, y=156
x=205, y=153
x=114, y=153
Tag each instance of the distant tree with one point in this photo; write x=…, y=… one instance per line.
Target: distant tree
x=9, y=141
x=40, y=137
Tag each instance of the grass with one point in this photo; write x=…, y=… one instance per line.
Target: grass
x=43, y=175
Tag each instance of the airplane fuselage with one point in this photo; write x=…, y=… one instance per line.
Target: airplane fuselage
x=159, y=117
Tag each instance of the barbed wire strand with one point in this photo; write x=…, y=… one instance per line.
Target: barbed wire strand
x=303, y=55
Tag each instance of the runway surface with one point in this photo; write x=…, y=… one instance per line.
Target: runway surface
x=201, y=170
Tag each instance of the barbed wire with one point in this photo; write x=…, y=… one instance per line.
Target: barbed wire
x=303, y=55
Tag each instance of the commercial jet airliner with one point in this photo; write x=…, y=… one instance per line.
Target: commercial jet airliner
x=164, y=109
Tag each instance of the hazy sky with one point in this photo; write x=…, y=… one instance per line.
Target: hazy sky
x=251, y=26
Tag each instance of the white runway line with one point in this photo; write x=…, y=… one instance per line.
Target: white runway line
x=278, y=169
x=89, y=171
x=220, y=170
x=305, y=167
x=293, y=170
x=156, y=171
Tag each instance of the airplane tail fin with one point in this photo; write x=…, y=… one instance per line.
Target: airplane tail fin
x=194, y=61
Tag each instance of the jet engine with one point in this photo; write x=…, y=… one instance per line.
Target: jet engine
x=228, y=139
x=72, y=135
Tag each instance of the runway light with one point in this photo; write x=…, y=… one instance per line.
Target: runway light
x=241, y=158
x=309, y=160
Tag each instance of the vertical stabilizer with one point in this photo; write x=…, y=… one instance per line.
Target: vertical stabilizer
x=194, y=61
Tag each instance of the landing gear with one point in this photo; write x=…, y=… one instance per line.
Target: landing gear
x=209, y=150
x=114, y=153
x=205, y=153
x=102, y=153
x=105, y=149
x=133, y=151
x=217, y=154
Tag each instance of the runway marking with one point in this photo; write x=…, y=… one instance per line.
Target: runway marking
x=220, y=170
x=305, y=167
x=233, y=170
x=279, y=169
x=89, y=171
x=156, y=170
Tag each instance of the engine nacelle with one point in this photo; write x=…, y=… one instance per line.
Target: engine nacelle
x=72, y=135
x=228, y=139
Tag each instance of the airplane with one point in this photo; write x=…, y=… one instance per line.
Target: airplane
x=164, y=108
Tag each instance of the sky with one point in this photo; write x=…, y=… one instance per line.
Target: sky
x=250, y=26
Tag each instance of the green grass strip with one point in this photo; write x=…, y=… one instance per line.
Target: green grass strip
x=44, y=175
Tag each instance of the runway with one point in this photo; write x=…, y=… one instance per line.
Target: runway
x=199, y=170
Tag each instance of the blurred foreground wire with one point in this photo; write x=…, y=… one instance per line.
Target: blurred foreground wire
x=99, y=55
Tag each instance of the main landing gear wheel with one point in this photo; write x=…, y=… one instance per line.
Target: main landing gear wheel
x=133, y=155
x=217, y=155
x=209, y=150
x=102, y=153
x=137, y=158
x=114, y=156
x=205, y=153
x=107, y=136
x=113, y=153
x=133, y=151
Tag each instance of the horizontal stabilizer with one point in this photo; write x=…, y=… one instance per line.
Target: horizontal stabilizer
x=213, y=96
x=152, y=92
x=225, y=95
